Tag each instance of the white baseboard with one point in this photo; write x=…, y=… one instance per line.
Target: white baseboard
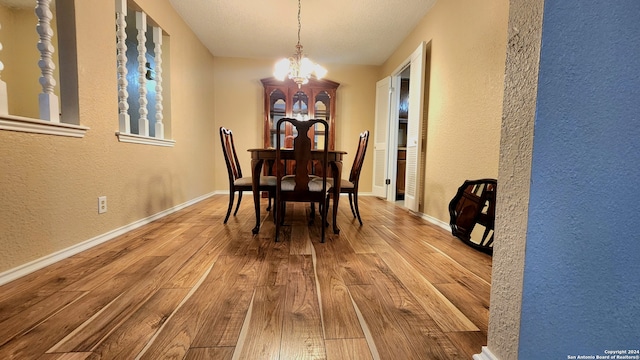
x=360, y=193
x=22, y=270
x=428, y=218
x=436, y=222
x=485, y=355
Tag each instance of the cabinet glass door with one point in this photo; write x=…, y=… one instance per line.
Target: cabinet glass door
x=300, y=106
x=277, y=110
x=300, y=110
x=315, y=99
x=321, y=108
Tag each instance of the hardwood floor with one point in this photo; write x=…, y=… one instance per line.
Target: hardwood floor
x=188, y=287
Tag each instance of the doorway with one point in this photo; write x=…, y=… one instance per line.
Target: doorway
x=400, y=123
x=399, y=148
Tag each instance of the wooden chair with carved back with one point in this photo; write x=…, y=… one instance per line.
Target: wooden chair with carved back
x=351, y=186
x=237, y=182
x=301, y=186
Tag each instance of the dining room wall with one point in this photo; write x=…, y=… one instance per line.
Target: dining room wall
x=239, y=106
x=467, y=51
x=49, y=185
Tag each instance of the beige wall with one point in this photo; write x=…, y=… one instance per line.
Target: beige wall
x=239, y=106
x=467, y=51
x=50, y=184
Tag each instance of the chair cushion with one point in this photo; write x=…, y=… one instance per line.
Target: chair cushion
x=264, y=181
x=344, y=184
x=289, y=183
x=268, y=180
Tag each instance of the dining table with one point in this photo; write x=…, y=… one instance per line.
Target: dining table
x=261, y=156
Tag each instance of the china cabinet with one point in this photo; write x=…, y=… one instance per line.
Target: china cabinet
x=314, y=100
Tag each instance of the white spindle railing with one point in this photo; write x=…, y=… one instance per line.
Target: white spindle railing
x=4, y=103
x=141, y=26
x=49, y=107
x=157, y=40
x=124, y=120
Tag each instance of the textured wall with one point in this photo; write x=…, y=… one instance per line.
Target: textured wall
x=467, y=46
x=49, y=185
x=520, y=87
x=581, y=292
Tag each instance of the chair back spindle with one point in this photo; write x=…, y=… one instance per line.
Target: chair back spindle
x=356, y=168
x=230, y=156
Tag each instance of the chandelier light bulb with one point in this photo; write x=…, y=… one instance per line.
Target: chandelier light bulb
x=320, y=71
x=306, y=67
x=282, y=69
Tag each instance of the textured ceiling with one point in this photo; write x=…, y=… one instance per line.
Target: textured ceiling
x=362, y=32
x=333, y=31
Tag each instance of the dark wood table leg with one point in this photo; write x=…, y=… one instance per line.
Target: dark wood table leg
x=256, y=166
x=337, y=175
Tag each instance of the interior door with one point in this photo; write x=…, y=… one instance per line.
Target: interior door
x=381, y=137
x=414, y=128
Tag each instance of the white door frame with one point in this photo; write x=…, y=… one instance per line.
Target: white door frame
x=381, y=137
x=392, y=153
x=392, y=143
x=413, y=189
x=417, y=61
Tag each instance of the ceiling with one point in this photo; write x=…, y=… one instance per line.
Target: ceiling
x=363, y=32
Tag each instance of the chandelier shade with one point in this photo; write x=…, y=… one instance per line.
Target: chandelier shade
x=298, y=67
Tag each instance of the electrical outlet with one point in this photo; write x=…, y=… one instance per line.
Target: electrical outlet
x=102, y=204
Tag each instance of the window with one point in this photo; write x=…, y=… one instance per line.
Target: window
x=38, y=69
x=140, y=45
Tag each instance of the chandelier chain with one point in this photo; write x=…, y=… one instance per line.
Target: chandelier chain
x=298, y=67
x=299, y=23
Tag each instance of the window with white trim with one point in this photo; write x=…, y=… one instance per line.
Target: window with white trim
x=142, y=88
x=38, y=68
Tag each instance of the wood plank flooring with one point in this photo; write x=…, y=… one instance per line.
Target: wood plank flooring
x=188, y=287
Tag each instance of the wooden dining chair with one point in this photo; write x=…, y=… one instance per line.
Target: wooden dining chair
x=301, y=186
x=237, y=182
x=351, y=186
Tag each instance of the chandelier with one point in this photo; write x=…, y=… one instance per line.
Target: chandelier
x=298, y=67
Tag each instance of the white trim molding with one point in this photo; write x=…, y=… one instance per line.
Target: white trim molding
x=146, y=140
x=20, y=271
x=485, y=355
x=157, y=40
x=141, y=26
x=436, y=222
x=24, y=124
x=124, y=118
x=48, y=101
